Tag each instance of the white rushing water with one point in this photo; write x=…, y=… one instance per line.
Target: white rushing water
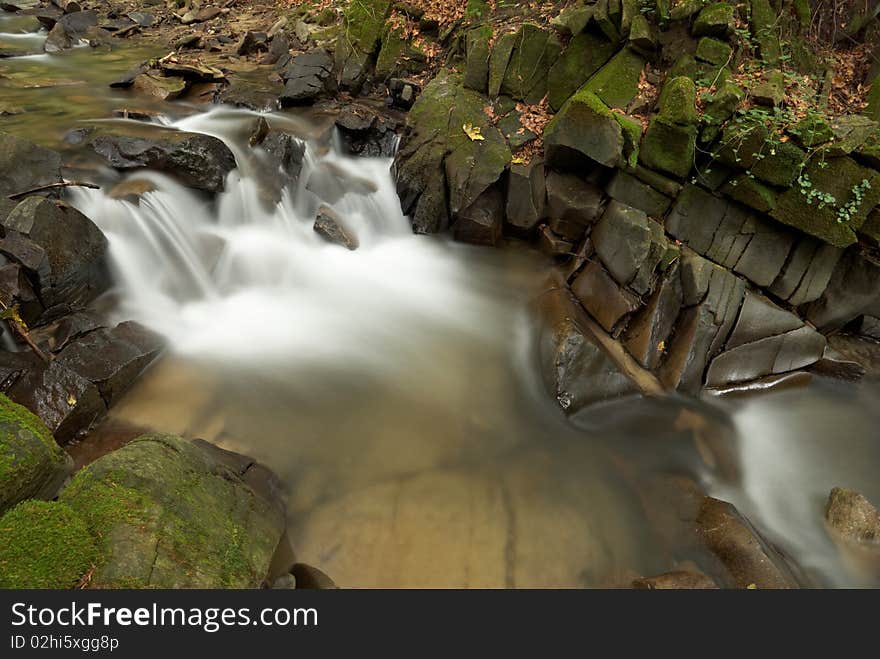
x=239, y=279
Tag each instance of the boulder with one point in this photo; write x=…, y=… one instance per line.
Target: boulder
x=715, y=20
x=583, y=56
x=16, y=290
x=534, y=53
x=198, y=161
x=677, y=102
x=714, y=51
x=852, y=516
x=669, y=147
x=526, y=196
x=167, y=513
x=806, y=273
x=604, y=298
x=498, y=61
x=650, y=328
x=629, y=190
x=365, y=132
x=280, y=159
x=32, y=465
x=307, y=77
x=675, y=580
x=403, y=93
x=481, y=222
x=311, y=578
x=476, y=72
x=572, y=204
x=253, y=42
x=551, y=244
x=24, y=166
x=69, y=29
x=617, y=82
x=331, y=228
x=584, y=126
x=62, y=251
x=760, y=318
x=853, y=290
x=165, y=88
x=363, y=23
x=44, y=545
x=575, y=369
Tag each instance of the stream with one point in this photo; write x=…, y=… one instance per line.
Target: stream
x=395, y=390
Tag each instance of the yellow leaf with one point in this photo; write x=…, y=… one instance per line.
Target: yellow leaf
x=752, y=586
x=661, y=346
x=71, y=400
x=473, y=132
x=519, y=160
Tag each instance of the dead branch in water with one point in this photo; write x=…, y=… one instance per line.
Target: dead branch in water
x=49, y=186
x=10, y=314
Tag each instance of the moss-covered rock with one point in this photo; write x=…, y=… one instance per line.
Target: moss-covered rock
x=764, y=27
x=393, y=46
x=682, y=9
x=167, y=513
x=771, y=90
x=32, y=465
x=719, y=108
x=742, y=142
x=476, y=70
x=779, y=164
x=641, y=34
x=811, y=131
x=363, y=24
x=669, y=147
x=714, y=51
x=583, y=56
x=534, y=53
x=632, y=137
x=584, y=125
x=44, y=545
x=873, y=109
x=605, y=22
x=832, y=201
x=678, y=101
x=573, y=19
x=617, y=82
x=751, y=192
x=498, y=61
x=716, y=20
x=850, y=134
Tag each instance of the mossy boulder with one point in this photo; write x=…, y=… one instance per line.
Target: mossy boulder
x=682, y=9
x=808, y=206
x=873, y=109
x=632, y=137
x=363, y=23
x=604, y=20
x=583, y=56
x=393, y=46
x=719, y=108
x=617, y=82
x=771, y=90
x=713, y=51
x=534, y=52
x=751, y=192
x=169, y=513
x=851, y=133
x=572, y=20
x=32, y=465
x=476, y=70
x=669, y=147
x=641, y=34
x=742, y=142
x=716, y=20
x=811, y=131
x=779, y=163
x=585, y=126
x=764, y=25
x=44, y=545
x=677, y=102
x=498, y=61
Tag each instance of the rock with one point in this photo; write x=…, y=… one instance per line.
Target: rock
x=55, y=336
x=252, y=43
x=363, y=23
x=649, y=330
x=677, y=103
x=750, y=192
x=668, y=147
x=573, y=205
x=32, y=465
x=200, y=16
x=630, y=246
x=720, y=108
x=44, y=545
x=162, y=87
x=605, y=300
x=331, y=228
x=307, y=77
x=780, y=165
x=144, y=19
x=629, y=190
x=498, y=61
x=62, y=250
x=584, y=126
x=25, y=166
x=481, y=222
x=850, y=133
x=807, y=272
x=17, y=290
x=715, y=20
x=750, y=562
x=853, y=290
x=198, y=161
x=551, y=244
x=617, y=82
x=576, y=371
x=526, y=196
x=763, y=23
x=572, y=20
x=193, y=71
x=69, y=30
x=583, y=56
x=128, y=78
x=534, y=52
x=311, y=578
x=165, y=513
x=676, y=580
x=279, y=47
x=301, y=32
x=364, y=132
x=476, y=73
x=771, y=91
x=403, y=93
x=714, y=52
x=331, y=182
x=852, y=516
x=131, y=190
x=641, y=34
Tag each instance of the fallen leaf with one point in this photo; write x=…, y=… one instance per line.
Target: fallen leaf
x=473, y=132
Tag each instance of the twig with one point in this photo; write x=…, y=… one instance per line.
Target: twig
x=49, y=186
x=10, y=314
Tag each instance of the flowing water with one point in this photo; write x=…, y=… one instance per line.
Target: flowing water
x=394, y=389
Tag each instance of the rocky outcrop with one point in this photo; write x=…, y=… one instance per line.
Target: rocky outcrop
x=307, y=77
x=198, y=161
x=332, y=228
x=853, y=517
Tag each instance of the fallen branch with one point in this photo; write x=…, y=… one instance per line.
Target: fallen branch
x=10, y=314
x=49, y=186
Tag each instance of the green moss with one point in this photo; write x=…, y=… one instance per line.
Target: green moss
x=873, y=109
x=765, y=29
x=716, y=20
x=477, y=10
x=584, y=125
x=534, y=53
x=604, y=21
x=678, y=101
x=742, y=143
x=583, y=56
x=393, y=45
x=476, y=73
x=811, y=131
x=44, y=545
x=573, y=19
x=499, y=60
x=752, y=193
x=719, y=108
x=779, y=164
x=632, y=137
x=364, y=21
x=641, y=34
x=669, y=147
x=682, y=9
x=617, y=83
x=714, y=51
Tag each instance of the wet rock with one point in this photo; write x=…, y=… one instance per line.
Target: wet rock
x=630, y=245
x=279, y=46
x=835, y=364
x=166, y=88
x=191, y=70
x=617, y=82
x=572, y=204
x=526, y=196
x=62, y=250
x=69, y=30
x=553, y=245
x=750, y=562
x=55, y=336
x=603, y=297
x=127, y=79
x=760, y=318
x=32, y=465
x=198, y=161
x=25, y=166
x=131, y=190
x=853, y=290
x=330, y=183
x=807, y=271
x=583, y=56
x=307, y=77
x=311, y=578
x=852, y=516
x=403, y=93
x=17, y=290
x=477, y=48
x=534, y=53
x=575, y=369
x=252, y=43
x=676, y=580
x=650, y=328
x=363, y=24
x=584, y=126
x=200, y=16
x=629, y=190
x=481, y=222
x=142, y=18
x=166, y=513
x=331, y=228
x=366, y=133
